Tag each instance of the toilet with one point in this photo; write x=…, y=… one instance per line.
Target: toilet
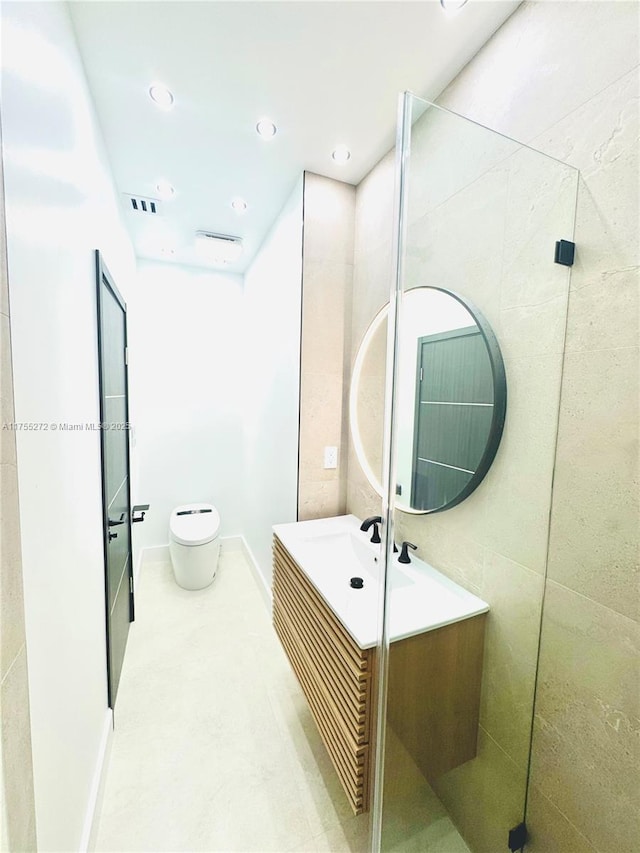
x=194, y=544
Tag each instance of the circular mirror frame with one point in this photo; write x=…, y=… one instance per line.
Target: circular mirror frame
x=499, y=401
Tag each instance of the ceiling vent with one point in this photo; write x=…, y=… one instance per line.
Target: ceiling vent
x=218, y=248
x=141, y=204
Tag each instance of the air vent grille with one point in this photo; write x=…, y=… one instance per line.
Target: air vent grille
x=142, y=204
x=218, y=248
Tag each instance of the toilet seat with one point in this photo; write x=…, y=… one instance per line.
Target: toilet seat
x=194, y=524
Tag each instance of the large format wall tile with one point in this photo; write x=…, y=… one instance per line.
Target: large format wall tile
x=374, y=206
x=321, y=424
x=4, y=290
x=601, y=139
x=485, y=796
x=362, y=499
x=602, y=128
x=459, y=244
x=586, y=752
x=326, y=286
x=550, y=831
x=514, y=594
x=546, y=61
x=16, y=757
x=7, y=436
x=601, y=247
x=17, y=810
x=604, y=311
x=326, y=296
x=594, y=525
x=372, y=278
x=456, y=555
x=409, y=802
x=328, y=219
x=11, y=595
x=439, y=140
x=519, y=482
x=540, y=210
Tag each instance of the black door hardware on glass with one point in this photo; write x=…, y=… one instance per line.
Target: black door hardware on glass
x=518, y=837
x=112, y=523
x=404, y=553
x=565, y=253
x=372, y=521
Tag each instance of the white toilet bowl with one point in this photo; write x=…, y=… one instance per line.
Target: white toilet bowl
x=194, y=544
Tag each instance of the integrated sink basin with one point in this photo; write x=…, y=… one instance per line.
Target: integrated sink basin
x=330, y=551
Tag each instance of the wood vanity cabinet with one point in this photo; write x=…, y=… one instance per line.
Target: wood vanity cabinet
x=336, y=675
x=434, y=684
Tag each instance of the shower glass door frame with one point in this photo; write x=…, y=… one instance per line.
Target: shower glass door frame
x=534, y=197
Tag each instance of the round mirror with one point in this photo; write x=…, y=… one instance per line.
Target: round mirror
x=451, y=400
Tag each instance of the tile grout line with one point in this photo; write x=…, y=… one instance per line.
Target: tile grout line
x=563, y=815
x=594, y=601
x=13, y=663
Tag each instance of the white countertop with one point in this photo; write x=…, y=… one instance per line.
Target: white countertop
x=333, y=550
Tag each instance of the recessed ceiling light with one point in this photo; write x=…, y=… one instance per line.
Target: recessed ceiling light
x=266, y=128
x=341, y=154
x=161, y=96
x=167, y=251
x=452, y=5
x=239, y=205
x=165, y=190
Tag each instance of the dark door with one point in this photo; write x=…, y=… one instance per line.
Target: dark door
x=114, y=436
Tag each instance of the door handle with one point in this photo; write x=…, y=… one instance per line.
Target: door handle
x=113, y=523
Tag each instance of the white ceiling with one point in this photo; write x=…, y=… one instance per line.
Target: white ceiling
x=325, y=72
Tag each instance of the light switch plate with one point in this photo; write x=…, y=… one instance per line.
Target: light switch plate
x=331, y=457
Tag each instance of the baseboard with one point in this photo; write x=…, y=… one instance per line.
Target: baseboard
x=138, y=566
x=231, y=543
x=160, y=553
x=154, y=554
x=265, y=591
x=96, y=794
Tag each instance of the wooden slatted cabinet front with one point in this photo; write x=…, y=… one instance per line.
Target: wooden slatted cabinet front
x=334, y=673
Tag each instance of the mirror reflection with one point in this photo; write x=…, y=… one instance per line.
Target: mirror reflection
x=451, y=400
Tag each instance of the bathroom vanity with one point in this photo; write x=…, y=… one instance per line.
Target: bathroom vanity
x=328, y=630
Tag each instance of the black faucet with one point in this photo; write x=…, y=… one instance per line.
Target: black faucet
x=374, y=520
x=404, y=553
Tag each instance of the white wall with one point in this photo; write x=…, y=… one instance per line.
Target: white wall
x=185, y=388
x=60, y=206
x=272, y=316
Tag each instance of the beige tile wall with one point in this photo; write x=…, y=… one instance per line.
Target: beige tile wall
x=17, y=811
x=372, y=258
x=582, y=110
x=491, y=240
x=326, y=289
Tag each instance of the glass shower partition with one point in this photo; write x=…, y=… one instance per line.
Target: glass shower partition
x=480, y=297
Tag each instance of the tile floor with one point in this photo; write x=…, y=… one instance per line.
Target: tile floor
x=214, y=748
